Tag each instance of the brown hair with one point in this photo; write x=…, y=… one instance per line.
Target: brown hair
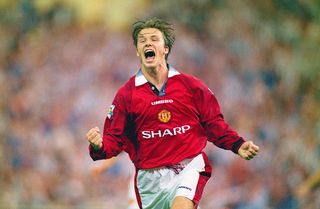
x=163, y=26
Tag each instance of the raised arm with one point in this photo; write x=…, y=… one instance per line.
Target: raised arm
x=216, y=128
x=110, y=143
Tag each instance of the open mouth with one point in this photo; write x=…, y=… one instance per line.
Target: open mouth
x=149, y=54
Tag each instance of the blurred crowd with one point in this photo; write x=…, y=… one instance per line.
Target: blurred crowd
x=58, y=79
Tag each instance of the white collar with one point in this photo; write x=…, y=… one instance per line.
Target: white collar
x=140, y=79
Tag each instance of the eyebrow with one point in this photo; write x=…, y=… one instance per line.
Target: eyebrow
x=143, y=36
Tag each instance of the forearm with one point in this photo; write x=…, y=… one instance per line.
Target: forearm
x=221, y=134
x=97, y=154
x=111, y=146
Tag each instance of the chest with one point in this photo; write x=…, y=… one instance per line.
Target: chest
x=174, y=106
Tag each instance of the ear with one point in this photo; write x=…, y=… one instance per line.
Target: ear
x=137, y=53
x=166, y=49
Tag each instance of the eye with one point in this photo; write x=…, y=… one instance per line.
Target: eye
x=154, y=38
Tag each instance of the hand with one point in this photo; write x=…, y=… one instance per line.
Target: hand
x=248, y=150
x=94, y=138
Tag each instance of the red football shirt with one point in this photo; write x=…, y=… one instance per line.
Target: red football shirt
x=164, y=130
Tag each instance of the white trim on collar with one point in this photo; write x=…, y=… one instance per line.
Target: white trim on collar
x=140, y=79
x=172, y=72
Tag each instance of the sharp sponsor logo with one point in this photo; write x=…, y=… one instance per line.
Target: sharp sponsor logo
x=166, y=132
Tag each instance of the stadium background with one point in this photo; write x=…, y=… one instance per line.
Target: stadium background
x=63, y=60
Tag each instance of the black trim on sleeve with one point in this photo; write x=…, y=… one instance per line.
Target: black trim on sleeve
x=97, y=154
x=237, y=145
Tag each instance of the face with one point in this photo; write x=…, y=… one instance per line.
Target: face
x=151, y=47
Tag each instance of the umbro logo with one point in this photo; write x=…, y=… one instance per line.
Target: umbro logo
x=163, y=101
x=184, y=187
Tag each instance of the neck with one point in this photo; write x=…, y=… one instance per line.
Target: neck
x=157, y=75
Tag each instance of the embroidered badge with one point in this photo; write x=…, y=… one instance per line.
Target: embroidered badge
x=110, y=111
x=164, y=116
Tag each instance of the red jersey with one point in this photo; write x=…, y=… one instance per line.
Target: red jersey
x=163, y=129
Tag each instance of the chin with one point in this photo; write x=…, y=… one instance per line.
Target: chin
x=150, y=65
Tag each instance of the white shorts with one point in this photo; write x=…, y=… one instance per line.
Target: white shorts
x=158, y=187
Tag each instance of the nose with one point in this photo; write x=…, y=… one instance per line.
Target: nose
x=147, y=44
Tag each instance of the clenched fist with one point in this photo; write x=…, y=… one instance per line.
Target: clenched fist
x=94, y=138
x=248, y=150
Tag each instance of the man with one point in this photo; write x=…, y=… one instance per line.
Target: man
x=163, y=119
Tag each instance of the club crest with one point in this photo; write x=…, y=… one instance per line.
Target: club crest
x=164, y=116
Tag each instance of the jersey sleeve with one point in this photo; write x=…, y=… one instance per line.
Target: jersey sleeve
x=113, y=130
x=212, y=120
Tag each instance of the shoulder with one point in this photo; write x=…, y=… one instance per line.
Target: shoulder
x=125, y=91
x=127, y=88
x=191, y=81
x=190, y=78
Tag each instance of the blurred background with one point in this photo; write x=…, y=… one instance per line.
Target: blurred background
x=62, y=62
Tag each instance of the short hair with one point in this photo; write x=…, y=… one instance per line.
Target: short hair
x=165, y=27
